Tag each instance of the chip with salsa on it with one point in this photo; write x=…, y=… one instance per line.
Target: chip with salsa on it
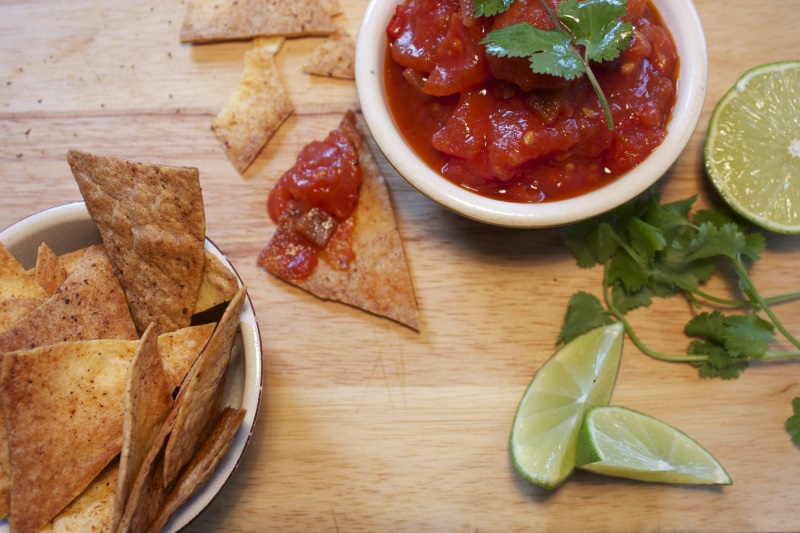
x=337, y=235
x=489, y=123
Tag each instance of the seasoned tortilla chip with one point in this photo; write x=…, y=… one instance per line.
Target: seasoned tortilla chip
x=15, y=309
x=224, y=20
x=180, y=349
x=50, y=273
x=88, y=305
x=269, y=44
x=91, y=511
x=148, y=399
x=201, y=391
x=15, y=282
x=378, y=279
x=149, y=490
x=334, y=58
x=64, y=409
x=218, y=286
x=331, y=6
x=201, y=466
x=152, y=223
x=254, y=111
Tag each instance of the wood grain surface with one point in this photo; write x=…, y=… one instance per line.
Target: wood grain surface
x=366, y=425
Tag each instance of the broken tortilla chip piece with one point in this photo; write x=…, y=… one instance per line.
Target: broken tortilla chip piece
x=269, y=44
x=377, y=279
x=219, y=284
x=63, y=413
x=201, y=391
x=202, y=465
x=88, y=305
x=148, y=399
x=152, y=222
x=50, y=273
x=15, y=282
x=334, y=58
x=224, y=20
x=254, y=111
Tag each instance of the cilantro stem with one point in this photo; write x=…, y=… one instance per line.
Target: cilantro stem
x=589, y=74
x=635, y=338
x=600, y=95
x=738, y=265
x=774, y=356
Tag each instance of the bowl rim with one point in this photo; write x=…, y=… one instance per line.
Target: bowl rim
x=692, y=88
x=19, y=239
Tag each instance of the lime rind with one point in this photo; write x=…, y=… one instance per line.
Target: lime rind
x=752, y=149
x=545, y=431
x=621, y=442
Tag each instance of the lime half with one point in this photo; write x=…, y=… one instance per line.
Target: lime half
x=620, y=442
x=546, y=426
x=752, y=150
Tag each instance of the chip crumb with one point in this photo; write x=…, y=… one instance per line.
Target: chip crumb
x=334, y=58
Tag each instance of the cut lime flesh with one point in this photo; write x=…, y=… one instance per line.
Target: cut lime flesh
x=549, y=416
x=620, y=442
x=752, y=150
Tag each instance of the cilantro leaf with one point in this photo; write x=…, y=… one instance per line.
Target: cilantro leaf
x=490, y=8
x=596, y=25
x=748, y=336
x=793, y=422
x=584, y=313
x=549, y=52
x=592, y=244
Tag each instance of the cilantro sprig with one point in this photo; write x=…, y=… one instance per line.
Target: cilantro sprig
x=594, y=27
x=652, y=250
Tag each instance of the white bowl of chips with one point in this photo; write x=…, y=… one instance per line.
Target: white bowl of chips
x=68, y=228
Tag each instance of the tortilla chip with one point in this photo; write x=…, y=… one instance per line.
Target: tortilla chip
x=91, y=511
x=331, y=6
x=180, y=349
x=201, y=391
x=15, y=309
x=148, y=399
x=334, y=58
x=378, y=279
x=219, y=284
x=15, y=282
x=202, y=465
x=50, y=273
x=70, y=260
x=88, y=305
x=254, y=111
x=152, y=222
x=65, y=425
x=270, y=44
x=224, y=20
x=149, y=490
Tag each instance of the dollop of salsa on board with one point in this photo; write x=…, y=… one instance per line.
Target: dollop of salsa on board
x=493, y=126
x=312, y=204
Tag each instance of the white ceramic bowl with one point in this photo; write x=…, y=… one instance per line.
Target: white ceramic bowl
x=70, y=227
x=680, y=17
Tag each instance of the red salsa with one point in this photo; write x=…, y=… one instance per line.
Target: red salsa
x=313, y=204
x=493, y=126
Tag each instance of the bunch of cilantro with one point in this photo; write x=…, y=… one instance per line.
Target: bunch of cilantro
x=584, y=32
x=650, y=249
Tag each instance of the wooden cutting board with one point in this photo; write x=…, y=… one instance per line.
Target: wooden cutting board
x=367, y=425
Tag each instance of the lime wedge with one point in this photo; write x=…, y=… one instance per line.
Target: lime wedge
x=620, y=442
x=752, y=150
x=549, y=416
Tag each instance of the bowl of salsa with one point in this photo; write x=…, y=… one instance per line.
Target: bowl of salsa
x=473, y=110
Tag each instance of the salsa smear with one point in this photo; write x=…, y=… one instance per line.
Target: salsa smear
x=492, y=125
x=313, y=204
